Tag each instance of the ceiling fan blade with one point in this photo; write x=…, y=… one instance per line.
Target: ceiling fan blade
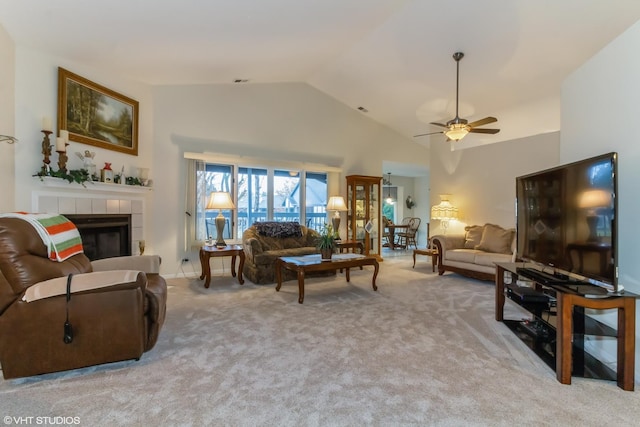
x=439, y=124
x=491, y=131
x=482, y=122
x=425, y=134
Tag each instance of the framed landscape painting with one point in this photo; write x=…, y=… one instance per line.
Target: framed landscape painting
x=96, y=115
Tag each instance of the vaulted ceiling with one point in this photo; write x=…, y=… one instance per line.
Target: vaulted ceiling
x=391, y=57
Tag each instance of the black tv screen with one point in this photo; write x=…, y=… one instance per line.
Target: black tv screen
x=566, y=220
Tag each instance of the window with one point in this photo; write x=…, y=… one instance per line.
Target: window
x=252, y=197
x=261, y=194
x=286, y=195
x=211, y=177
x=316, y=200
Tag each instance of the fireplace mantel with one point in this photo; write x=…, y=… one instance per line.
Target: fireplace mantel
x=91, y=186
x=56, y=195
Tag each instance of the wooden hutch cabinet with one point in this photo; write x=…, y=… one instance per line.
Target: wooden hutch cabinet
x=363, y=216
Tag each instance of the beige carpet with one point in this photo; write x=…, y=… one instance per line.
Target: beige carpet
x=423, y=350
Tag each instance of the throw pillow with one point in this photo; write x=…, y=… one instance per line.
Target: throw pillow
x=278, y=229
x=496, y=239
x=472, y=236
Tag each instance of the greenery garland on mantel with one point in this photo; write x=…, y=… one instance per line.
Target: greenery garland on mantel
x=81, y=176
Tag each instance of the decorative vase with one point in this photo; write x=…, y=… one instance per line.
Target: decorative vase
x=326, y=253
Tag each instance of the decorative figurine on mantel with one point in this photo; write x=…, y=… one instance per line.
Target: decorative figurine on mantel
x=61, y=149
x=107, y=173
x=87, y=159
x=46, y=151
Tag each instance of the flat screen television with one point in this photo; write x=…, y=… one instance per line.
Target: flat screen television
x=566, y=220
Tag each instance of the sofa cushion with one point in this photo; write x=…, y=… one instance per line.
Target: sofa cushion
x=462, y=255
x=496, y=239
x=489, y=258
x=472, y=236
x=278, y=229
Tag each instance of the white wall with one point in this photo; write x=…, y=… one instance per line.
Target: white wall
x=7, y=108
x=600, y=114
x=288, y=121
x=36, y=96
x=422, y=209
x=481, y=180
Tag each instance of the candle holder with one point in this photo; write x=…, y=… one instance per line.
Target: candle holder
x=62, y=161
x=46, y=151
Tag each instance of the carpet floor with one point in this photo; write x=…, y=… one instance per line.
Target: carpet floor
x=422, y=350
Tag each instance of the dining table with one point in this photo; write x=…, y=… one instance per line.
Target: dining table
x=391, y=229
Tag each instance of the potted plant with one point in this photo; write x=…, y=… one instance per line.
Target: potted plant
x=327, y=242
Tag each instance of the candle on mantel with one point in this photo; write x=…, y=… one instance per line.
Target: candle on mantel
x=64, y=134
x=61, y=144
x=46, y=124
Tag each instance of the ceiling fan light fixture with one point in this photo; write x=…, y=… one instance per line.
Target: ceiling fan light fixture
x=457, y=131
x=458, y=128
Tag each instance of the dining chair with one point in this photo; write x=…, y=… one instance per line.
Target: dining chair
x=408, y=237
x=385, y=234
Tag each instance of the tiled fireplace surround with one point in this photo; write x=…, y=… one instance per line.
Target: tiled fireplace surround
x=98, y=199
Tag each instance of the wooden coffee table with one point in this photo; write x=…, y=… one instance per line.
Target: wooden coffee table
x=308, y=263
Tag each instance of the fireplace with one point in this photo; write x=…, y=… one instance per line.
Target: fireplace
x=104, y=236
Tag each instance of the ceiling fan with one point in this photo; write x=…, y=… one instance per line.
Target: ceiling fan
x=458, y=128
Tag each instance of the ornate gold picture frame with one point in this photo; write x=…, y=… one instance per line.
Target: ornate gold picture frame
x=96, y=115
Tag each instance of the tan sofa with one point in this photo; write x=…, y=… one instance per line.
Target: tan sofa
x=475, y=252
x=264, y=242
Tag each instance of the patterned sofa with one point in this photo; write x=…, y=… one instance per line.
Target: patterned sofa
x=264, y=242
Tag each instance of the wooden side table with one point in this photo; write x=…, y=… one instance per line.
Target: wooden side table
x=433, y=253
x=350, y=246
x=602, y=249
x=206, y=252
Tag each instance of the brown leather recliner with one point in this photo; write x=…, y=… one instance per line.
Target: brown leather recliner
x=116, y=310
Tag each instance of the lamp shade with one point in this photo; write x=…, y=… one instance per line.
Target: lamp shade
x=444, y=211
x=336, y=203
x=220, y=200
x=595, y=199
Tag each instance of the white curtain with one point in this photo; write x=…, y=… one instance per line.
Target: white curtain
x=195, y=202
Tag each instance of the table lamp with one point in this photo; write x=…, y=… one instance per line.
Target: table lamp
x=220, y=200
x=336, y=204
x=444, y=211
